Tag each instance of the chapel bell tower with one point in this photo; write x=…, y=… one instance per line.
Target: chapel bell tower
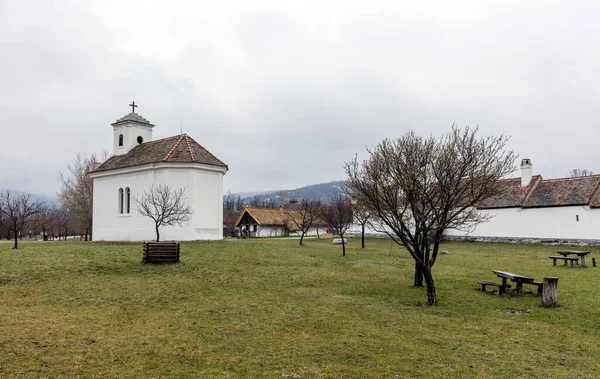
x=130, y=131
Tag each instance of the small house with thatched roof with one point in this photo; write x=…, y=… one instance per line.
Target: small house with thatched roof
x=269, y=222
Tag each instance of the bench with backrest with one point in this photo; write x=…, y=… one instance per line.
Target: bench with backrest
x=565, y=259
x=161, y=252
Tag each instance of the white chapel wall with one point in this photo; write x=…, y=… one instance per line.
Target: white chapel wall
x=203, y=194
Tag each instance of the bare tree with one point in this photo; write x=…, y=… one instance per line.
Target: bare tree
x=362, y=216
x=338, y=215
x=304, y=217
x=77, y=189
x=46, y=220
x=239, y=204
x=63, y=221
x=580, y=172
x=229, y=201
x=255, y=202
x=164, y=206
x=418, y=187
x=15, y=211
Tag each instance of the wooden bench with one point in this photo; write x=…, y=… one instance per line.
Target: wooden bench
x=540, y=287
x=161, y=252
x=485, y=283
x=565, y=259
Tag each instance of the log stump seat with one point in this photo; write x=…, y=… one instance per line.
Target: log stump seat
x=161, y=252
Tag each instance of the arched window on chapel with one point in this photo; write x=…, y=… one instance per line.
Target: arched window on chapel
x=128, y=199
x=120, y=200
x=120, y=140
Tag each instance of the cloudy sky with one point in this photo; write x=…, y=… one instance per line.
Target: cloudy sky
x=285, y=92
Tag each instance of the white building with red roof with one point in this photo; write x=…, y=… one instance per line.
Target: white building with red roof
x=534, y=208
x=138, y=163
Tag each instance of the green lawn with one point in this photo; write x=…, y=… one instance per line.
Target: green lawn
x=252, y=308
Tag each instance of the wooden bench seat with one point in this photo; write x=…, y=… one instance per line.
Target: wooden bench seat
x=540, y=287
x=485, y=283
x=161, y=252
x=565, y=259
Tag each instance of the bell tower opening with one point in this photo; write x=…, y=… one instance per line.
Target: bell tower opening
x=130, y=131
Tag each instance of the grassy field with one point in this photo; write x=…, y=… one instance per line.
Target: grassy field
x=250, y=308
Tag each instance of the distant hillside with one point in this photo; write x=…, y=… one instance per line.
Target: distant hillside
x=321, y=192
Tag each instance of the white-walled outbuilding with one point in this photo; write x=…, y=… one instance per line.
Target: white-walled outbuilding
x=139, y=163
x=532, y=208
x=269, y=222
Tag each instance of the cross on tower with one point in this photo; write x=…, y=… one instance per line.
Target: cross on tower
x=132, y=105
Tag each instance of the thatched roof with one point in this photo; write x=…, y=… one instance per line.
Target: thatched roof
x=270, y=216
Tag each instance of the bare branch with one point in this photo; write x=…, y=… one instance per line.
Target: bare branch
x=304, y=217
x=16, y=211
x=164, y=206
x=580, y=172
x=338, y=215
x=417, y=187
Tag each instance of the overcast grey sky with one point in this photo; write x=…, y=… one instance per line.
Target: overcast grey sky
x=285, y=92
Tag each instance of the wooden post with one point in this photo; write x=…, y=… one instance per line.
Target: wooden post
x=594, y=262
x=549, y=292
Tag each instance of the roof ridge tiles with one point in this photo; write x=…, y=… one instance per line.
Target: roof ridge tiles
x=187, y=141
x=594, y=192
x=211, y=154
x=596, y=176
x=531, y=190
x=174, y=147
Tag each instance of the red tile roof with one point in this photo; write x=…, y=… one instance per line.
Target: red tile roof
x=510, y=194
x=583, y=190
x=181, y=148
x=563, y=192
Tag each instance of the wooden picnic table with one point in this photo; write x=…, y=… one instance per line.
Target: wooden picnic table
x=518, y=279
x=579, y=253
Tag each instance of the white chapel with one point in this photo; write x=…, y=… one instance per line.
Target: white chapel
x=137, y=163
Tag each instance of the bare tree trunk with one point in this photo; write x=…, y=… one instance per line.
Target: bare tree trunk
x=302, y=238
x=418, y=274
x=431, y=295
x=343, y=246
x=363, y=236
x=90, y=229
x=16, y=241
x=86, y=234
x=157, y=235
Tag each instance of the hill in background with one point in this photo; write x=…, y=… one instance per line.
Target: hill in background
x=321, y=192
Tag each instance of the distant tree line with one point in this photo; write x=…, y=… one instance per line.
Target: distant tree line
x=576, y=172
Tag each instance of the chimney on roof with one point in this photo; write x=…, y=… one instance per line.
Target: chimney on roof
x=526, y=172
